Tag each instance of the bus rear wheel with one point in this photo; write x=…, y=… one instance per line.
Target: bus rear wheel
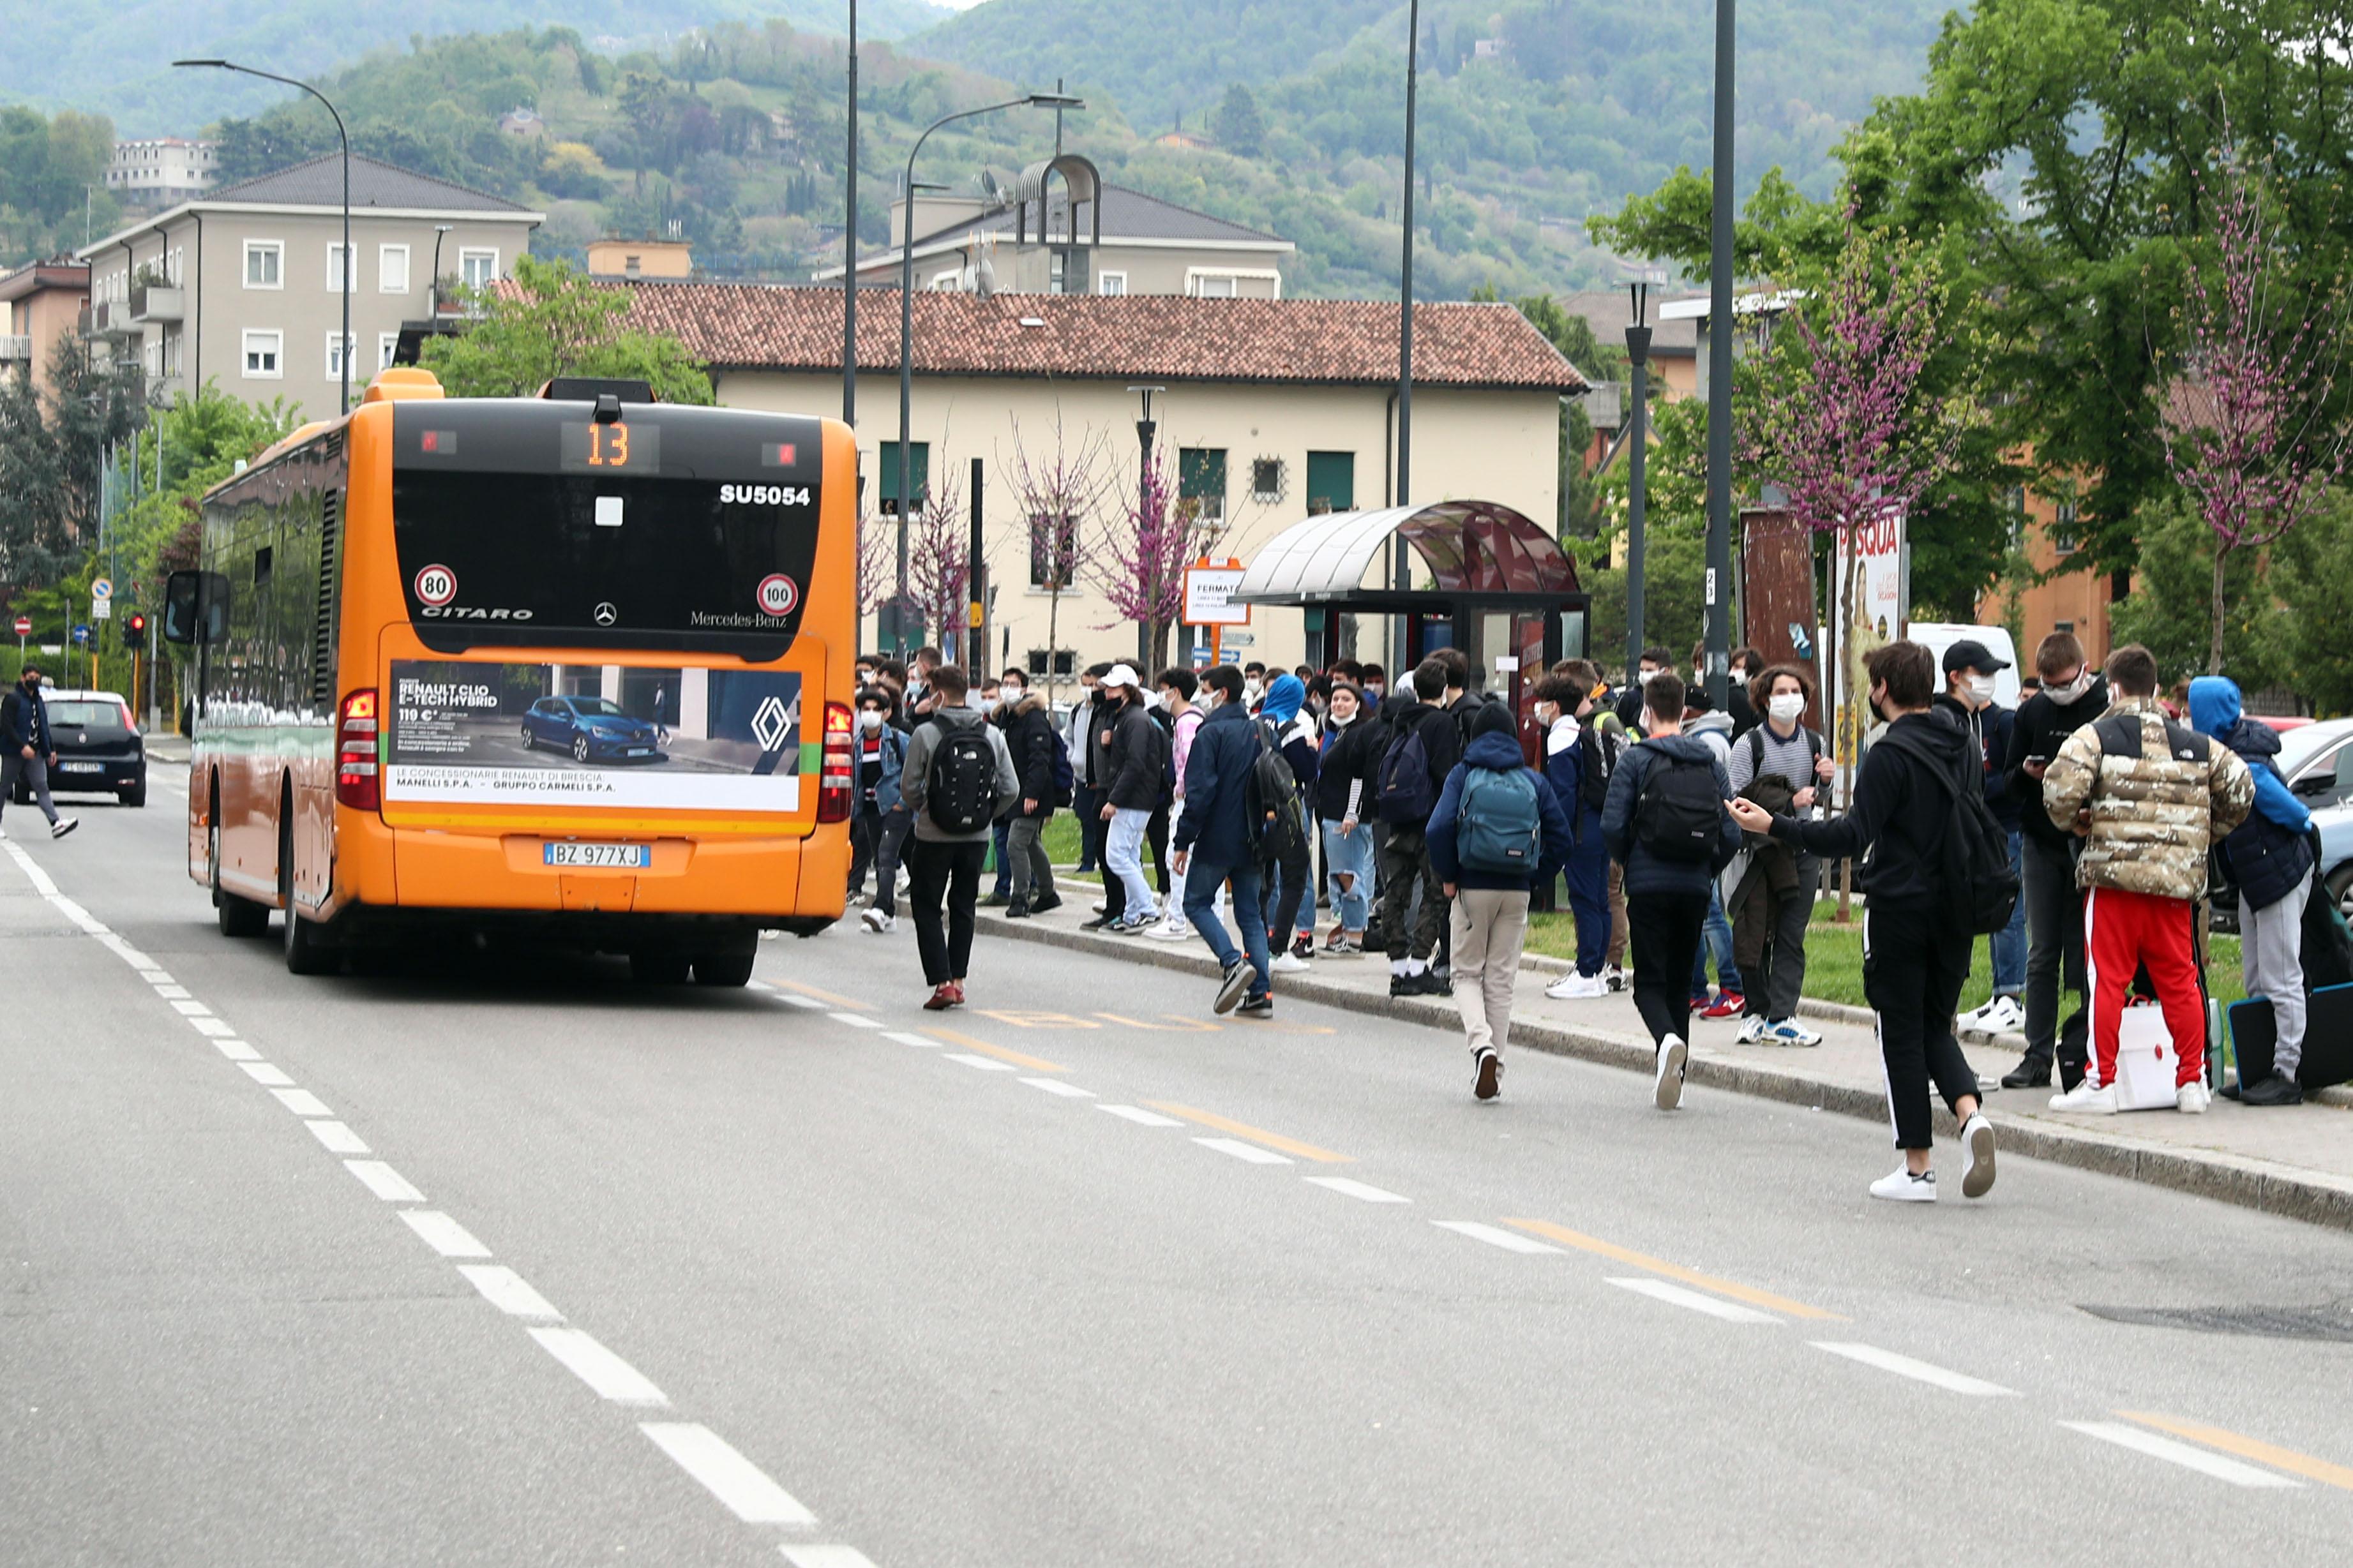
x=658, y=968
x=308, y=952
x=729, y=968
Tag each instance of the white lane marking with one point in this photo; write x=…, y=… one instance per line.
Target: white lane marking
x=237, y=1051
x=810, y=1002
x=2182, y=1454
x=857, y=1020
x=338, y=1138
x=985, y=1064
x=1659, y=1289
x=155, y=978
x=171, y=992
x=39, y=879
x=444, y=1235
x=270, y=1076
x=1242, y=1151
x=504, y=1288
x=724, y=1473
x=829, y=1555
x=188, y=1007
x=1056, y=1086
x=80, y=916
x=1347, y=1188
x=600, y=1368
x=1509, y=1240
x=211, y=1028
x=1140, y=1117
x=302, y=1102
x=916, y=1040
x=131, y=955
x=383, y=1181
x=757, y=985
x=1905, y=1366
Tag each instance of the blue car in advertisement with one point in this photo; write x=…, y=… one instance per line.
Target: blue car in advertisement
x=592, y=728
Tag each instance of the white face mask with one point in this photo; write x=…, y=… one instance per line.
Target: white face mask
x=1739, y=677
x=2075, y=690
x=869, y=719
x=1339, y=717
x=1788, y=708
x=1252, y=688
x=1980, y=689
x=1373, y=691
x=1547, y=714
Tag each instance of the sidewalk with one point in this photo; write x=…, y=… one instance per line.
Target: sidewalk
x=2297, y=1163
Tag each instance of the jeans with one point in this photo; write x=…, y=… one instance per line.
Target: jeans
x=1491, y=928
x=1202, y=881
x=1348, y=867
x=1914, y=966
x=1087, y=801
x=1715, y=938
x=2054, y=925
x=888, y=849
x=35, y=773
x=1664, y=929
x=1124, y=857
x=951, y=870
x=1290, y=893
x=1024, y=847
x=2009, y=943
x=998, y=838
x=865, y=842
x=1587, y=872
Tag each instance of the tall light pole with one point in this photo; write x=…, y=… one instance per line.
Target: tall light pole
x=1719, y=374
x=849, y=243
x=1637, y=350
x=1401, y=565
x=433, y=284
x=1054, y=100
x=1145, y=428
x=350, y=265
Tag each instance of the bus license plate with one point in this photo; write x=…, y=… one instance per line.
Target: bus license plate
x=620, y=857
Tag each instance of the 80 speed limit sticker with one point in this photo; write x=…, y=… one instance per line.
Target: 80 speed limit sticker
x=777, y=595
x=436, y=586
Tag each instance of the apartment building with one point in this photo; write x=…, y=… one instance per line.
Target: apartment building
x=160, y=171
x=243, y=287
x=41, y=303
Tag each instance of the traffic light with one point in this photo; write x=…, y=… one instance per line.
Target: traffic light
x=135, y=623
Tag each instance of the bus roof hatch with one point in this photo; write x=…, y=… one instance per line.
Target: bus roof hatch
x=589, y=388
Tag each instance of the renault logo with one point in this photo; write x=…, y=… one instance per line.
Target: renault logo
x=606, y=614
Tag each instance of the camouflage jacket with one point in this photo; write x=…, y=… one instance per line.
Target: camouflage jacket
x=2152, y=817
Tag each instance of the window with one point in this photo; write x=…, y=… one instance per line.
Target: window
x=1053, y=549
x=1112, y=283
x=1065, y=661
x=388, y=344
x=265, y=264
x=339, y=270
x=392, y=269
x=886, y=494
x=1201, y=480
x=336, y=342
x=1331, y=481
x=2063, y=528
x=1269, y=482
x=479, y=269
x=261, y=355
x=1214, y=286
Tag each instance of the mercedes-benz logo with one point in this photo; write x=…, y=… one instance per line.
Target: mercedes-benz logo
x=606, y=614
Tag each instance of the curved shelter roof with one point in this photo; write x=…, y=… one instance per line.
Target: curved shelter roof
x=1476, y=552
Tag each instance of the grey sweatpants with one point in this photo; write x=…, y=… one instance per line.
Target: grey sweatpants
x=1488, y=927
x=36, y=771
x=2271, y=952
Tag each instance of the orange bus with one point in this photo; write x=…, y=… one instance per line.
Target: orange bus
x=576, y=666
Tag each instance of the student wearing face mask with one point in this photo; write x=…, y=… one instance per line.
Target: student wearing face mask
x=1578, y=760
x=1630, y=701
x=1343, y=784
x=1253, y=685
x=2072, y=696
x=881, y=823
x=1968, y=697
x=1038, y=757
x=1784, y=767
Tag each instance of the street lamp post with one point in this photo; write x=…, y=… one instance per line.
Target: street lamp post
x=1719, y=372
x=1145, y=428
x=1637, y=350
x=433, y=284
x=344, y=137
x=1401, y=565
x=907, y=317
x=849, y=242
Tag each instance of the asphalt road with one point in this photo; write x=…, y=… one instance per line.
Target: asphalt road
x=497, y=1258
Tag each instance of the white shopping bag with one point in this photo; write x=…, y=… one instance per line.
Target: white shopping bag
x=2145, y=1063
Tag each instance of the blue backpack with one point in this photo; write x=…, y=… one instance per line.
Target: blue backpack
x=1065, y=781
x=1500, y=828
x=1407, y=797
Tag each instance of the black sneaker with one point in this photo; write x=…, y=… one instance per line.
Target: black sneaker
x=1435, y=984
x=1017, y=910
x=996, y=901
x=1304, y=948
x=1237, y=978
x=1259, y=1006
x=1488, y=1070
x=1098, y=923
x=2274, y=1089
x=2029, y=1074
x=1405, y=985
x=1038, y=906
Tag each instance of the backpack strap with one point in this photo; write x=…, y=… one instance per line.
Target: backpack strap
x=2118, y=734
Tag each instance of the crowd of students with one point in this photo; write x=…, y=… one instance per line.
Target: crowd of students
x=2073, y=833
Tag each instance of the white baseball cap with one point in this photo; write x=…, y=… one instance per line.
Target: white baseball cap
x=1123, y=675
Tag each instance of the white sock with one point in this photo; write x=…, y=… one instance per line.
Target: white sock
x=1399, y=967
x=1415, y=965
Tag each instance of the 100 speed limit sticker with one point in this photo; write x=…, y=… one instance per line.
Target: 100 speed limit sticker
x=777, y=595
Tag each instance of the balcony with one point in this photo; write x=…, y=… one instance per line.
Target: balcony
x=109, y=319
x=15, y=346
x=155, y=303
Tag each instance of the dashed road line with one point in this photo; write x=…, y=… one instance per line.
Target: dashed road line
x=1056, y=1086
x=1275, y=1141
x=2202, y=1460
x=809, y=1003
x=1354, y=1189
x=1509, y=1240
x=338, y=1138
x=507, y=1290
x=302, y=1102
x=739, y=1484
x=444, y=1235
x=211, y=1028
x=1248, y=1152
x=856, y=1020
x=266, y=1074
x=920, y=1042
x=829, y=1555
x=1919, y=1371
x=1677, y=1271
x=2246, y=1447
x=1140, y=1117
x=586, y=1359
x=1012, y=1058
x=236, y=1050
x=1675, y=1295
x=984, y=1063
x=796, y=992
x=383, y=1181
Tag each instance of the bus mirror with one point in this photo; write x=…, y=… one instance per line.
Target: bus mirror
x=195, y=608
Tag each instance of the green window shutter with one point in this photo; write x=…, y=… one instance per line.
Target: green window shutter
x=1331, y=481
x=886, y=498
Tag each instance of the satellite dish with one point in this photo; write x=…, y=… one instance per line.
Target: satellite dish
x=984, y=277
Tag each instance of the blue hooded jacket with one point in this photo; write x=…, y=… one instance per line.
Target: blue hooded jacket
x=1215, y=821
x=1495, y=748
x=2269, y=854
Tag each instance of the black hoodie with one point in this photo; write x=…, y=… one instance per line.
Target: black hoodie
x=1901, y=813
x=2042, y=727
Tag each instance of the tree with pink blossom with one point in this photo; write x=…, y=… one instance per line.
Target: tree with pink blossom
x=1140, y=570
x=878, y=546
x=939, y=563
x=1059, y=489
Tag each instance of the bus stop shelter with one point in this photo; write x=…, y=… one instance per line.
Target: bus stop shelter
x=1479, y=576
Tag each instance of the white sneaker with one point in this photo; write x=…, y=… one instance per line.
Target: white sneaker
x=2191, y=1099
x=1170, y=929
x=1902, y=1187
x=2085, y=1098
x=881, y=924
x=1668, y=1091
x=1575, y=987
x=2001, y=1016
x=63, y=825
x=1977, y=1139
x=1290, y=964
x=1974, y=1019
x=1789, y=1032
x=1752, y=1030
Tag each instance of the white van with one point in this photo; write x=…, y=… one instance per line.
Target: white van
x=1938, y=635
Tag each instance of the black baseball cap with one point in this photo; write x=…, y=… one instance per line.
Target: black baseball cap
x=1971, y=654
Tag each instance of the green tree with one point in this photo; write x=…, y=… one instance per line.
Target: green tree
x=2169, y=611
x=552, y=321
x=52, y=445
x=2311, y=573
x=1240, y=129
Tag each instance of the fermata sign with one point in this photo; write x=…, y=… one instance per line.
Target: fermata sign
x=1208, y=596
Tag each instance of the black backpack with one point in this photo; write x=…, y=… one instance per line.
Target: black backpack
x=1277, y=828
x=1977, y=875
x=1680, y=816
x=960, y=785
x=1406, y=798
x=1600, y=749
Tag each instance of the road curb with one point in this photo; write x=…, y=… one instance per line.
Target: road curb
x=2281, y=1190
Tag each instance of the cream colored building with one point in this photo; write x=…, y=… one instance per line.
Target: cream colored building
x=641, y=259
x=157, y=171
x=1266, y=411
x=244, y=286
x=41, y=303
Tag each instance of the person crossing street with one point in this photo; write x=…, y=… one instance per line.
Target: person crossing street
x=957, y=779
x=1216, y=844
x=28, y=749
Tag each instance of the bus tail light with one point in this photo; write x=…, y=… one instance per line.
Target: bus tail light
x=356, y=774
x=837, y=773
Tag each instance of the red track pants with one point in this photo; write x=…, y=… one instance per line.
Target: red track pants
x=2122, y=931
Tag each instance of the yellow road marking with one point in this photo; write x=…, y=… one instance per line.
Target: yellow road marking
x=1175, y=1026
x=1255, y=1134
x=1034, y=1020
x=2286, y=1459
x=1659, y=1266
x=999, y=1052
x=822, y=996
